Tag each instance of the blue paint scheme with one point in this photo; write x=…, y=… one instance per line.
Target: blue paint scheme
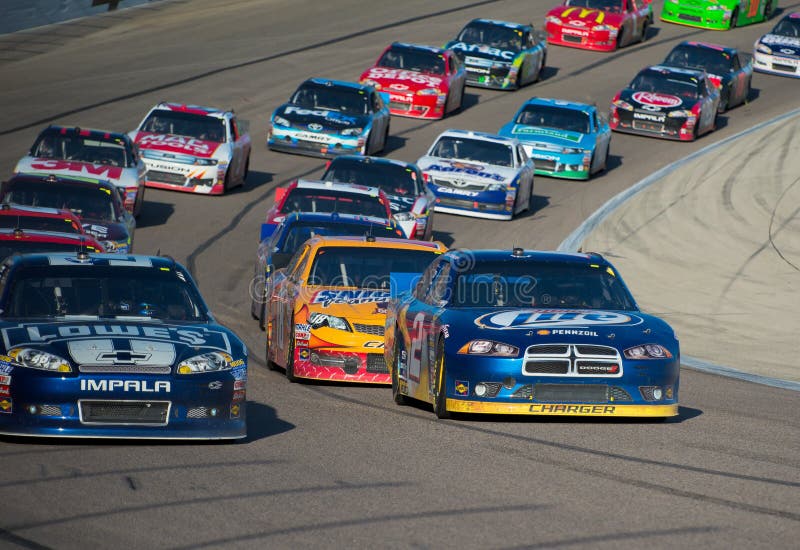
x=48, y=403
x=328, y=131
x=559, y=152
x=431, y=321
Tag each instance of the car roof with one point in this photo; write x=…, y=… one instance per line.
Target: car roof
x=338, y=83
x=488, y=255
x=52, y=178
x=85, y=132
x=422, y=47
x=708, y=46
x=11, y=209
x=484, y=136
x=675, y=70
x=563, y=103
x=376, y=242
x=8, y=234
x=106, y=260
x=193, y=109
x=509, y=24
x=373, y=160
x=334, y=217
x=338, y=187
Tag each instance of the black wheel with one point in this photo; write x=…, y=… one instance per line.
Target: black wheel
x=385, y=139
x=645, y=30
x=262, y=316
x=605, y=160
x=518, y=82
x=734, y=18
x=270, y=364
x=747, y=92
x=724, y=100
x=398, y=397
x=246, y=170
x=290, y=356
x=620, y=36
x=440, y=400
x=226, y=184
x=541, y=67
x=768, y=10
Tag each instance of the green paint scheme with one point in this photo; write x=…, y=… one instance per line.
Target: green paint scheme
x=523, y=130
x=565, y=174
x=716, y=14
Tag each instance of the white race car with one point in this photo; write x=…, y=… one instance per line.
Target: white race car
x=778, y=52
x=194, y=149
x=478, y=174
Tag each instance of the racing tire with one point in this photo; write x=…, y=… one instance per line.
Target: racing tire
x=768, y=10
x=724, y=101
x=529, y=208
x=620, y=36
x=290, y=357
x=246, y=170
x=440, y=399
x=398, y=397
x=541, y=68
x=734, y=18
x=270, y=363
x=226, y=184
x=518, y=83
x=605, y=160
x=385, y=140
x=645, y=30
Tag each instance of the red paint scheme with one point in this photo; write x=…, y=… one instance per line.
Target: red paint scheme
x=176, y=144
x=87, y=241
x=598, y=30
x=282, y=194
x=101, y=171
x=69, y=221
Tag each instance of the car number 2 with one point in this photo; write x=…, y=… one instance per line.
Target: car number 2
x=415, y=355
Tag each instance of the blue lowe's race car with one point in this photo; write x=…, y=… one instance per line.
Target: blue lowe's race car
x=522, y=332
x=499, y=54
x=280, y=242
x=114, y=346
x=326, y=118
x=564, y=139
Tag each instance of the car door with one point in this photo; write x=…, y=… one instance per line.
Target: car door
x=708, y=109
x=526, y=177
x=281, y=304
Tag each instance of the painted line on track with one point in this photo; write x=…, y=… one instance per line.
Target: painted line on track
x=574, y=240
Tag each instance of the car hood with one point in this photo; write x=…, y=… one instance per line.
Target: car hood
x=656, y=102
x=112, y=343
x=787, y=45
x=353, y=304
x=586, y=17
x=538, y=134
x=467, y=170
x=171, y=143
x=475, y=53
x=326, y=119
x=117, y=175
x=401, y=80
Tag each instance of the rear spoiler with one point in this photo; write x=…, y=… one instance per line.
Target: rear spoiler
x=401, y=283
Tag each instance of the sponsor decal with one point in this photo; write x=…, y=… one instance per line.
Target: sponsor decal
x=461, y=168
x=103, y=171
x=239, y=373
x=215, y=385
x=5, y=379
x=237, y=363
x=39, y=334
x=239, y=384
x=401, y=74
x=321, y=113
x=350, y=297
x=235, y=410
x=649, y=116
x=462, y=387
x=478, y=62
x=462, y=192
x=573, y=32
x=5, y=390
x=6, y=368
x=483, y=48
x=304, y=353
x=530, y=319
x=238, y=396
x=446, y=331
x=140, y=386
x=573, y=409
x=180, y=144
x=6, y=405
x=778, y=40
x=302, y=332
x=399, y=87
x=100, y=231
x=583, y=13
x=656, y=99
x=374, y=344
x=533, y=130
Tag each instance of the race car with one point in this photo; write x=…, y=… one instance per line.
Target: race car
x=325, y=318
x=599, y=25
x=29, y=241
x=717, y=14
x=421, y=81
x=530, y=333
x=193, y=149
x=40, y=219
x=409, y=198
x=778, y=52
x=318, y=196
x=478, y=174
x=280, y=242
x=499, y=54
x=726, y=69
x=667, y=102
x=96, y=154
x=95, y=202
x=97, y=345
x=564, y=139
x=325, y=118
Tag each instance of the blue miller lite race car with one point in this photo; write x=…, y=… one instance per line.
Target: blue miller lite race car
x=533, y=333
x=325, y=118
x=117, y=347
x=564, y=139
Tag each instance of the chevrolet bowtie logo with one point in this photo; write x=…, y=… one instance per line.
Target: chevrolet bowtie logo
x=123, y=356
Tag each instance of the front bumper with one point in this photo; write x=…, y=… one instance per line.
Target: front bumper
x=204, y=406
x=676, y=129
x=417, y=106
x=342, y=365
x=776, y=64
x=205, y=180
x=492, y=205
x=313, y=144
x=557, y=165
x=719, y=20
x=489, y=77
x=599, y=41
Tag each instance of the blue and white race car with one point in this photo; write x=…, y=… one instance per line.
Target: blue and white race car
x=114, y=346
x=533, y=333
x=564, y=139
x=778, y=51
x=499, y=54
x=478, y=174
x=326, y=118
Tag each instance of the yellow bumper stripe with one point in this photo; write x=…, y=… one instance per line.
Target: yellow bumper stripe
x=561, y=409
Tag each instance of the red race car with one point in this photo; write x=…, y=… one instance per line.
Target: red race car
x=422, y=82
x=600, y=25
x=40, y=219
x=25, y=241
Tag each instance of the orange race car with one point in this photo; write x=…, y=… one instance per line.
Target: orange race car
x=325, y=317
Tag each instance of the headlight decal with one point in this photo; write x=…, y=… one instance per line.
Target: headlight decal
x=214, y=361
x=33, y=358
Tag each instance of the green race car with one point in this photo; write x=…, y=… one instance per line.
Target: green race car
x=716, y=14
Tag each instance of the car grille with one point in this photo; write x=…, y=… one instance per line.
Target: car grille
x=572, y=360
x=571, y=38
x=618, y=394
x=397, y=106
x=460, y=184
x=687, y=17
x=375, y=330
x=648, y=126
x=571, y=393
x=547, y=367
x=492, y=388
x=782, y=67
x=376, y=363
x=524, y=392
x=146, y=413
x=548, y=349
x=596, y=350
x=460, y=203
x=541, y=164
x=166, y=177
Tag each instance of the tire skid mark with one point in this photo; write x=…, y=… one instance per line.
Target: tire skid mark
x=772, y=222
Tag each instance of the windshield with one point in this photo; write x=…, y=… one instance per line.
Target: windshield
x=788, y=26
x=9, y=247
x=713, y=61
x=488, y=152
x=300, y=232
x=602, y=5
x=89, y=203
x=545, y=116
x=365, y=267
x=322, y=200
x=27, y=221
x=495, y=36
x=421, y=61
x=665, y=84
x=393, y=179
x=351, y=101
x=116, y=292
x=72, y=146
x=515, y=283
x=164, y=121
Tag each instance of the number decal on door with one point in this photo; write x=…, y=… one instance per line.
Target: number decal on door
x=415, y=353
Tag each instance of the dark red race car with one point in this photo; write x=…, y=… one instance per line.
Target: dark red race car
x=25, y=241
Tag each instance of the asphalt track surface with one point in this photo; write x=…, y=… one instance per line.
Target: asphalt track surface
x=342, y=466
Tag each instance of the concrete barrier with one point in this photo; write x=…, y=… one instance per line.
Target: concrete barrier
x=17, y=15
